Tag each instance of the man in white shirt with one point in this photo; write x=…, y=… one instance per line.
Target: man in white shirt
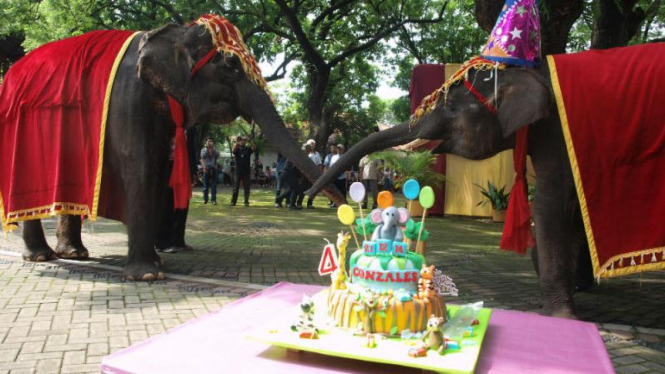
x=368, y=175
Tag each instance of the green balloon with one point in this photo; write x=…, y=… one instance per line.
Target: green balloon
x=426, y=197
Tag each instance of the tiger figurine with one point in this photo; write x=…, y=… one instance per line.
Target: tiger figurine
x=426, y=288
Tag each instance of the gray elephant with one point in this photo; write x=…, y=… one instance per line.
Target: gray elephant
x=140, y=127
x=463, y=125
x=387, y=220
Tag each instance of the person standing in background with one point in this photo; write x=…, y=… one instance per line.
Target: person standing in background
x=209, y=156
x=242, y=154
x=279, y=170
x=369, y=177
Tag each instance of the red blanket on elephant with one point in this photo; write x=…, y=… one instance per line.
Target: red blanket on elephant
x=612, y=108
x=53, y=107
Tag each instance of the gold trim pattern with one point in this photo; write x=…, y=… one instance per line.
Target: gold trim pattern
x=607, y=269
x=67, y=208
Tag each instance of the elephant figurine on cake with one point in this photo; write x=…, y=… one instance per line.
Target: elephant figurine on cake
x=480, y=118
x=211, y=84
x=388, y=221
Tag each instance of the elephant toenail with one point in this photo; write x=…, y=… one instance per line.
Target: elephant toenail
x=148, y=277
x=160, y=275
x=129, y=278
x=40, y=258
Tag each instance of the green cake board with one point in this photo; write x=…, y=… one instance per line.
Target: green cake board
x=394, y=351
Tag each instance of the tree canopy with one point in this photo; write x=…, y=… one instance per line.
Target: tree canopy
x=339, y=51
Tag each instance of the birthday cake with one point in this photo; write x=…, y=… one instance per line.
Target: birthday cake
x=388, y=289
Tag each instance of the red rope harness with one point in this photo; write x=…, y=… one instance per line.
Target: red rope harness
x=517, y=235
x=180, y=175
x=483, y=100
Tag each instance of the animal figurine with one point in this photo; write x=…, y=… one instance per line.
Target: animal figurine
x=426, y=288
x=367, y=304
x=339, y=276
x=387, y=220
x=306, y=320
x=433, y=337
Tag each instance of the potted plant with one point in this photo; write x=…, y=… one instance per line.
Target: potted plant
x=412, y=165
x=497, y=198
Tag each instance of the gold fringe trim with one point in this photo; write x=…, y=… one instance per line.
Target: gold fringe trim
x=46, y=211
x=102, y=133
x=607, y=269
x=430, y=102
x=221, y=29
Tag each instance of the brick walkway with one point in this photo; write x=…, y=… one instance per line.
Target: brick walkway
x=64, y=317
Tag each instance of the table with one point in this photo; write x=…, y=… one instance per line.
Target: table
x=516, y=342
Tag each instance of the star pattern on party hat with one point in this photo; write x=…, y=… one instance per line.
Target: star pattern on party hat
x=515, y=38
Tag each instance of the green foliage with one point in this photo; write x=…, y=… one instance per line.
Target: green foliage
x=412, y=165
x=413, y=229
x=531, y=194
x=496, y=197
x=369, y=226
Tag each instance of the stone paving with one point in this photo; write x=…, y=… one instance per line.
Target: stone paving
x=64, y=317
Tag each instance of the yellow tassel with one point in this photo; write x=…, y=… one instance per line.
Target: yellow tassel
x=653, y=257
x=642, y=258
x=632, y=261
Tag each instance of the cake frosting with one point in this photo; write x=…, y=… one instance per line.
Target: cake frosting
x=388, y=289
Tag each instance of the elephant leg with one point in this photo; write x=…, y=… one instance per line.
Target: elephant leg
x=68, y=233
x=36, y=247
x=143, y=195
x=584, y=274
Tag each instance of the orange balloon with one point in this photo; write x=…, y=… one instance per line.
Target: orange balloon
x=385, y=199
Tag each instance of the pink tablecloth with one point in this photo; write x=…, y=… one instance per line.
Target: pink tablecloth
x=515, y=343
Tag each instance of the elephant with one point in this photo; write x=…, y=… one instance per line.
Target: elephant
x=388, y=220
x=460, y=124
x=139, y=130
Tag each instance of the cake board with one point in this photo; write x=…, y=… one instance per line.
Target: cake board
x=337, y=342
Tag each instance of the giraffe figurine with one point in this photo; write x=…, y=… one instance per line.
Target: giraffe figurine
x=340, y=276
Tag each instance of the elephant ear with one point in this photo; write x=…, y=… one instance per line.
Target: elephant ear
x=403, y=215
x=376, y=216
x=165, y=61
x=524, y=98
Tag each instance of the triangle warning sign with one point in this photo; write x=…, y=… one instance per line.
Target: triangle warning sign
x=328, y=263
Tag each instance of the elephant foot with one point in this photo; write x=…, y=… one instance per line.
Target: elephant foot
x=39, y=254
x=70, y=252
x=560, y=312
x=144, y=272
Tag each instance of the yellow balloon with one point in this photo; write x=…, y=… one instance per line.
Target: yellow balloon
x=346, y=214
x=385, y=199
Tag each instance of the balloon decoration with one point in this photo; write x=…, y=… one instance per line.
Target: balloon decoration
x=411, y=189
x=357, y=192
x=346, y=215
x=426, y=199
x=385, y=199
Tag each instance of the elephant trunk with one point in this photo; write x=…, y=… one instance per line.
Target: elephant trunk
x=394, y=136
x=257, y=105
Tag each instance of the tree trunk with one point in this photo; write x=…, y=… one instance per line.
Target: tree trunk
x=556, y=20
x=617, y=23
x=318, y=125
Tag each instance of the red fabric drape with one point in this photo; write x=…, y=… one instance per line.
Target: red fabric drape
x=517, y=235
x=612, y=109
x=51, y=116
x=180, y=176
x=425, y=79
